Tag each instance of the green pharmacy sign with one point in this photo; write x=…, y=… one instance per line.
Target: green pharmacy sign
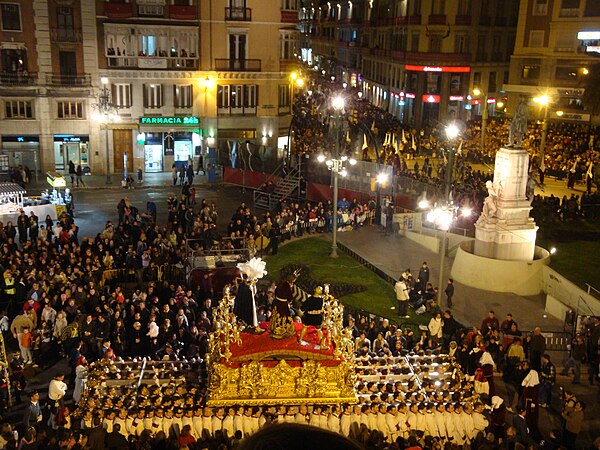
x=186, y=120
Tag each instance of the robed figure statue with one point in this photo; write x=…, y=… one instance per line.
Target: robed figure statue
x=281, y=324
x=244, y=306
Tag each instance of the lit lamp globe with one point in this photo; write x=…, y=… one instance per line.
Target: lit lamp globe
x=338, y=103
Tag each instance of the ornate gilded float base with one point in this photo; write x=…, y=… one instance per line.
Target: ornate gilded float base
x=258, y=383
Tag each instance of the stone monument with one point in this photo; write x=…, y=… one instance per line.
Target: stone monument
x=504, y=229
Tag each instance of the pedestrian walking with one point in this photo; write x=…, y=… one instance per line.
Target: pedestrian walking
x=79, y=174
x=423, y=277
x=548, y=379
x=575, y=359
x=537, y=347
x=449, y=292
x=182, y=174
x=174, y=174
x=72, y=172
x=190, y=174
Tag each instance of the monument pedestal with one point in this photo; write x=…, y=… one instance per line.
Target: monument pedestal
x=505, y=230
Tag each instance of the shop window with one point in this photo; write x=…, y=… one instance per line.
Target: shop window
x=153, y=96
x=18, y=109
x=11, y=16
x=70, y=110
x=530, y=72
x=183, y=96
x=121, y=95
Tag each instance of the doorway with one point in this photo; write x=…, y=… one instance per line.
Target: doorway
x=68, y=67
x=122, y=143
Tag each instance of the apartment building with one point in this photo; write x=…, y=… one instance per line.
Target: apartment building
x=419, y=59
x=183, y=76
x=48, y=61
x=557, y=41
x=189, y=76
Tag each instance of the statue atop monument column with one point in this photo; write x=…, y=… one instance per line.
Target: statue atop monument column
x=518, y=125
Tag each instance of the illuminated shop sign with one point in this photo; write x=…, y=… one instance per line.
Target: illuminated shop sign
x=447, y=69
x=588, y=35
x=457, y=98
x=186, y=120
x=430, y=98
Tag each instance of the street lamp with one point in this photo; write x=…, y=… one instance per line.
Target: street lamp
x=106, y=112
x=484, y=115
x=543, y=100
x=443, y=215
x=336, y=164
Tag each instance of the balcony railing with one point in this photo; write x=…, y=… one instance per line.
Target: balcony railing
x=182, y=12
x=17, y=79
x=568, y=12
x=238, y=65
x=153, y=63
x=462, y=20
x=240, y=14
x=437, y=19
x=65, y=34
x=118, y=10
x=288, y=16
x=69, y=80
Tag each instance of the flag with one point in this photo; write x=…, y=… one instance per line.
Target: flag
x=590, y=171
x=348, y=136
x=386, y=141
x=373, y=126
x=365, y=144
x=459, y=149
x=404, y=141
x=413, y=145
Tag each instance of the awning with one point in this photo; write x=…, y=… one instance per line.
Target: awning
x=7, y=189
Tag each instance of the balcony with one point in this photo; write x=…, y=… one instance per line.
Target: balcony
x=65, y=34
x=414, y=20
x=238, y=65
x=437, y=19
x=182, y=12
x=289, y=16
x=485, y=21
x=432, y=59
x=568, y=12
x=69, y=80
x=288, y=65
x=238, y=14
x=18, y=79
x=152, y=63
x=462, y=20
x=118, y=10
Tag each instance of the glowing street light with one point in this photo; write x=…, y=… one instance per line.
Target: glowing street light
x=543, y=100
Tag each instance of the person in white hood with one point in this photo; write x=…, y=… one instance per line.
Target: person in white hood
x=531, y=390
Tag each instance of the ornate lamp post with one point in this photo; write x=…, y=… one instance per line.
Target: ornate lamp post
x=543, y=100
x=336, y=164
x=106, y=113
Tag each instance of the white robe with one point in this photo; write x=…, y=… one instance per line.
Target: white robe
x=238, y=423
x=345, y=421
x=391, y=422
x=421, y=425
x=107, y=424
x=228, y=426
x=124, y=428
x=381, y=423
x=480, y=423
x=402, y=425
x=167, y=426
x=431, y=427
x=301, y=419
x=197, y=427
x=333, y=423
x=80, y=382
x=207, y=426
x=217, y=424
x=440, y=423
x=459, y=426
x=189, y=421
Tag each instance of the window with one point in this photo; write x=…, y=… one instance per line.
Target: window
x=64, y=18
x=462, y=43
x=415, y=7
x=288, y=45
x=183, y=96
x=464, y=7
x=482, y=46
x=476, y=78
x=70, y=110
x=237, y=99
x=237, y=46
x=536, y=38
x=11, y=16
x=151, y=10
x=435, y=43
x=414, y=42
x=438, y=7
x=121, y=95
x=18, y=109
x=284, y=98
x=492, y=82
x=565, y=42
x=540, y=7
x=530, y=72
x=153, y=96
x=566, y=73
x=570, y=4
x=289, y=5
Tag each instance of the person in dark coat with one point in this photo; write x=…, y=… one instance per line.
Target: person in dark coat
x=313, y=316
x=244, y=307
x=97, y=436
x=449, y=292
x=115, y=440
x=33, y=412
x=521, y=428
x=423, y=278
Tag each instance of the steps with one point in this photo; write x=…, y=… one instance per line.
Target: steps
x=285, y=188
